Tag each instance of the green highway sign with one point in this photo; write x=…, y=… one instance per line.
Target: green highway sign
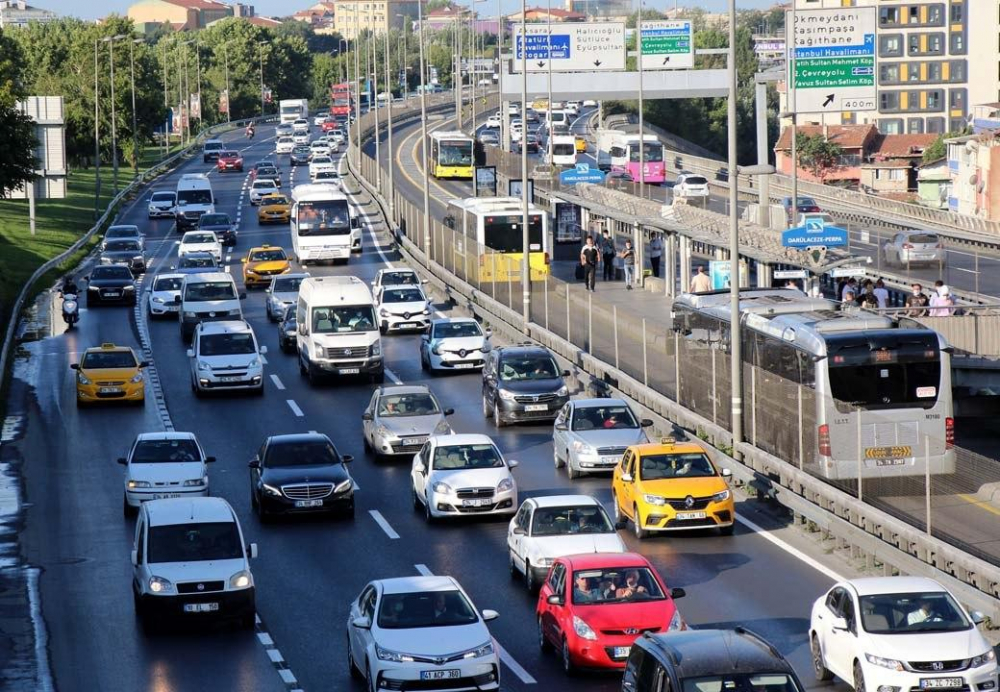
x=667, y=45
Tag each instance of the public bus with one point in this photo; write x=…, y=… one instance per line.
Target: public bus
x=495, y=226
x=451, y=155
x=323, y=226
x=652, y=160
x=840, y=392
x=341, y=101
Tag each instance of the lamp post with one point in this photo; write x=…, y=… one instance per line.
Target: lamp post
x=229, y=102
x=525, y=220
x=135, y=130
x=342, y=48
x=378, y=160
x=423, y=136
x=260, y=54
x=166, y=105
x=388, y=88
x=403, y=62
x=97, y=134
x=735, y=363
x=110, y=40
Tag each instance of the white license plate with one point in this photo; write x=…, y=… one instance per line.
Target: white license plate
x=111, y=390
x=610, y=459
x=165, y=496
x=536, y=407
x=308, y=503
x=112, y=294
x=201, y=607
x=349, y=371
x=940, y=683
x=230, y=379
x=691, y=515
x=890, y=462
x=449, y=674
x=475, y=503
x=464, y=366
x=412, y=441
x=622, y=651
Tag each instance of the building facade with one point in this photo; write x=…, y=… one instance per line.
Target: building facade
x=181, y=14
x=352, y=18
x=974, y=167
x=17, y=13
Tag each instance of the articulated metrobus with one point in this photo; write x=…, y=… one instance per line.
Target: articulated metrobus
x=843, y=393
x=451, y=155
x=495, y=225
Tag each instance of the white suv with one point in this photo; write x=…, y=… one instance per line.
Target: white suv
x=690, y=185
x=899, y=633
x=163, y=465
x=200, y=241
x=225, y=355
x=189, y=561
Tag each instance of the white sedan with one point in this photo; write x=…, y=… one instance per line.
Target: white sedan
x=320, y=163
x=260, y=188
x=320, y=147
x=454, y=343
x=200, y=241
x=284, y=145
x=408, y=632
x=402, y=307
x=163, y=464
x=456, y=475
x=300, y=138
x=494, y=121
x=162, y=294
x=899, y=633
x=320, y=119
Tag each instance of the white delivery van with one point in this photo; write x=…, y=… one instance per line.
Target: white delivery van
x=558, y=122
x=338, y=331
x=226, y=356
x=194, y=198
x=208, y=297
x=563, y=150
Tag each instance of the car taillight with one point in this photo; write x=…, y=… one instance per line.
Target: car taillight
x=907, y=246
x=548, y=260
x=823, y=440
x=949, y=433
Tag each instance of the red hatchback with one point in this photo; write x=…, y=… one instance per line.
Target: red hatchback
x=592, y=607
x=230, y=161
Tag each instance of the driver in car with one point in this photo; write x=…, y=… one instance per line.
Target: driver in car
x=921, y=614
x=632, y=587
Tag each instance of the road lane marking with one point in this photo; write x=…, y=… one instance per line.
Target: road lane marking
x=313, y=432
x=392, y=376
x=424, y=570
x=265, y=639
x=380, y=520
x=295, y=408
x=277, y=382
x=973, y=500
x=791, y=550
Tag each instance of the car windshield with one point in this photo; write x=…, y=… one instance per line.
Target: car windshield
x=122, y=246
x=397, y=278
x=229, y=155
x=198, y=238
x=922, y=239
x=403, y=295
x=100, y=360
x=456, y=330
x=520, y=368
x=193, y=261
x=559, y=521
x=168, y=283
x=287, y=284
x=654, y=467
x=909, y=613
x=742, y=682
x=275, y=255
x=317, y=452
x=329, y=320
x=399, y=611
x=165, y=451
x=275, y=200
x=111, y=273
x=264, y=184
x=263, y=170
x=163, y=197
x=122, y=232
x=194, y=542
x=603, y=418
x=226, y=344
x=458, y=457
x=214, y=220
x=300, y=150
x=414, y=404
x=210, y=290
x=615, y=585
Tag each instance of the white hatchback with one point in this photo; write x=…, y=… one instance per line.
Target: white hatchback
x=454, y=343
x=402, y=307
x=163, y=465
x=163, y=294
x=284, y=145
x=261, y=188
x=200, y=241
x=494, y=121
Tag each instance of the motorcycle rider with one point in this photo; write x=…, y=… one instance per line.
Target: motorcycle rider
x=70, y=304
x=250, y=131
x=69, y=286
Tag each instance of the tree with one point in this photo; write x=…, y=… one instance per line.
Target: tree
x=17, y=131
x=938, y=150
x=817, y=154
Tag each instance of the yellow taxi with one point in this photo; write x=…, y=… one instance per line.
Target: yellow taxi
x=274, y=208
x=671, y=486
x=263, y=262
x=581, y=145
x=540, y=105
x=109, y=373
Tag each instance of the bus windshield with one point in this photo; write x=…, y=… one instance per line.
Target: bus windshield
x=653, y=152
x=503, y=233
x=884, y=373
x=455, y=153
x=327, y=217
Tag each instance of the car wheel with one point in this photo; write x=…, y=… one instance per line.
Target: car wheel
x=424, y=365
x=351, y=665
x=567, y=658
x=486, y=408
x=383, y=329
x=571, y=471
x=640, y=532
x=544, y=645
x=819, y=665
x=555, y=458
x=859, y=678
x=302, y=367
x=619, y=515
x=529, y=580
x=428, y=515
x=367, y=444
x=127, y=509
x=512, y=565
x=415, y=499
x=497, y=417
x=369, y=681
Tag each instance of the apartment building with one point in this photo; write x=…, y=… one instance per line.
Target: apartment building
x=925, y=68
x=180, y=14
x=352, y=18
x=17, y=13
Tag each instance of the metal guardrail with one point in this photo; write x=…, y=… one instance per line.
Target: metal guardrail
x=884, y=541
x=144, y=178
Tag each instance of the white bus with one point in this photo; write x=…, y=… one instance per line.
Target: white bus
x=322, y=223
x=495, y=226
x=293, y=109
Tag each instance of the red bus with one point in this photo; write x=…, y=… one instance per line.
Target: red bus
x=340, y=99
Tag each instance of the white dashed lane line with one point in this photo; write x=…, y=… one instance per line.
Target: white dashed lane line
x=385, y=526
x=392, y=376
x=295, y=408
x=277, y=382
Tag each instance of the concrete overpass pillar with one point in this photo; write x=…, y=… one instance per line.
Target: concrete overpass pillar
x=764, y=273
x=640, y=252
x=685, y=263
x=670, y=264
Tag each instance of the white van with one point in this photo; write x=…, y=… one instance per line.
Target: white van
x=194, y=198
x=225, y=356
x=563, y=150
x=189, y=561
x=558, y=122
x=208, y=297
x=338, y=331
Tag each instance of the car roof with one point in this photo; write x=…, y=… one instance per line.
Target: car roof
x=169, y=275
x=292, y=275
x=109, y=347
x=886, y=585
x=564, y=500
x=523, y=350
x=598, y=403
x=605, y=560
x=415, y=584
x=195, y=510
x=165, y=436
x=296, y=438
x=225, y=327
x=405, y=389
x=391, y=270
x=455, y=320
x=131, y=227
x=462, y=439
x=697, y=653
x=662, y=447
x=266, y=247
x=206, y=276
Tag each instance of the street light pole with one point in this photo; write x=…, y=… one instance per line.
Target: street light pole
x=97, y=134
x=525, y=219
x=114, y=125
x=388, y=88
x=423, y=136
x=378, y=160
x=735, y=365
x=135, y=130
x=260, y=54
x=229, y=101
x=642, y=131
x=166, y=105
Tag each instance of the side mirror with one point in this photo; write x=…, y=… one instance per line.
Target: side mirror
x=209, y=460
x=177, y=298
x=726, y=473
x=134, y=556
x=513, y=464
x=347, y=458
x=87, y=277
x=554, y=599
x=252, y=550
x=243, y=260
x=840, y=624
x=977, y=617
x=646, y=423
x=626, y=477
x=362, y=623
x=565, y=373
x=367, y=416
x=74, y=366
x=519, y=531
x=425, y=281
x=122, y=460
x=262, y=350
x=561, y=426
x=449, y=411
x=254, y=464
x=677, y=593
x=425, y=337
x=490, y=615
x=243, y=295
x=143, y=363
x=190, y=353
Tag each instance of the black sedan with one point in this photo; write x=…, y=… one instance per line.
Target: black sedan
x=293, y=474
x=268, y=173
x=221, y=225
x=301, y=155
x=287, y=331
x=112, y=283
x=127, y=253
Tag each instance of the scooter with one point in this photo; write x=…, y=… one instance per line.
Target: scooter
x=70, y=309
x=250, y=133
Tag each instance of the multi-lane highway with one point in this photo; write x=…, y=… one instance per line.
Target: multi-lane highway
x=309, y=570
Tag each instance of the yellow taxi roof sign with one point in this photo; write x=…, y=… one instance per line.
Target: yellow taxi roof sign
x=668, y=440
x=108, y=345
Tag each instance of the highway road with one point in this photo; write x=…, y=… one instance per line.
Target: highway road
x=308, y=571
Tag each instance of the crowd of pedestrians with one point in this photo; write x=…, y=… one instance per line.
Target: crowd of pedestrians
x=875, y=296
x=605, y=253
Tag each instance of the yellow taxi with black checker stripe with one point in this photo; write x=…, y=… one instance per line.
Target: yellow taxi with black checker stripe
x=109, y=373
x=263, y=262
x=274, y=208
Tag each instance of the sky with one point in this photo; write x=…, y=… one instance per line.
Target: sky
x=92, y=9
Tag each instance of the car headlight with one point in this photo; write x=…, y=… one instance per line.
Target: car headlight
x=194, y=482
x=655, y=500
x=542, y=561
x=890, y=663
x=132, y=485
x=202, y=365
x=394, y=656
x=480, y=651
x=241, y=580
x=375, y=350
x=582, y=629
x=271, y=490
x=343, y=486
x=506, y=394
x=129, y=288
x=442, y=428
x=137, y=378
x=157, y=299
x=160, y=585
x=719, y=497
x=436, y=348
x=583, y=448
x=81, y=378
x=427, y=312
x=255, y=363
x=505, y=485
x=441, y=488
x=676, y=622
x=983, y=659
x=383, y=431
x=563, y=391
